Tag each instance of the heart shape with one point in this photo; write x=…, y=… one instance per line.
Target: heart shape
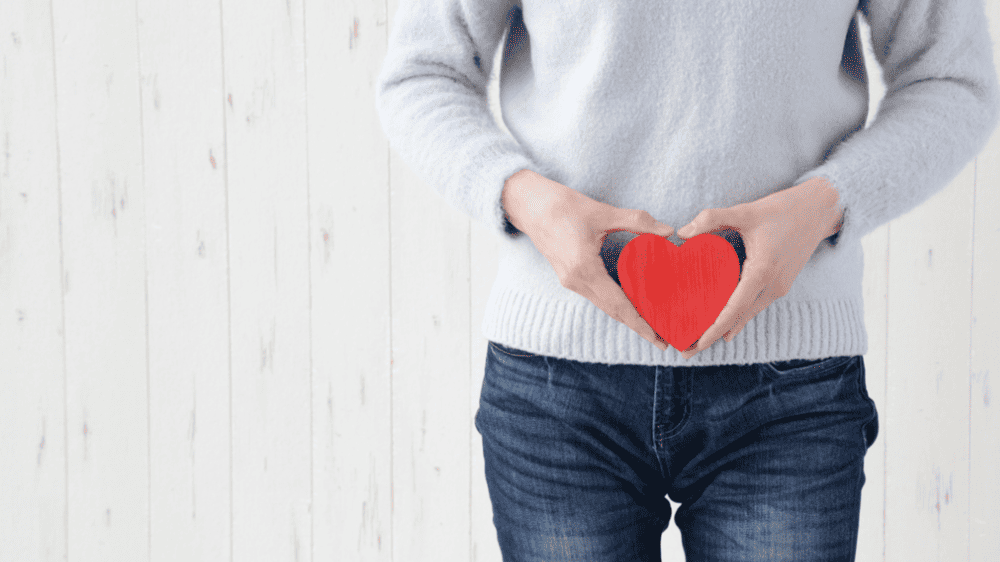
x=679, y=290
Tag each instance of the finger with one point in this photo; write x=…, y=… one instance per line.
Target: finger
x=735, y=316
x=758, y=306
x=637, y=221
x=748, y=290
x=691, y=351
x=762, y=302
x=610, y=298
x=711, y=220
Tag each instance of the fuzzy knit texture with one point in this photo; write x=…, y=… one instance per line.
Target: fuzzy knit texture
x=676, y=107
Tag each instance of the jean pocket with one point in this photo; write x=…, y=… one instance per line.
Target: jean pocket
x=797, y=368
x=511, y=351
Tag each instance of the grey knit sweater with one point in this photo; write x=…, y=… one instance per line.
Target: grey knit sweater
x=675, y=107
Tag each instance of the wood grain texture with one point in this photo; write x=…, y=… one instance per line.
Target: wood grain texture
x=32, y=379
x=430, y=378
x=930, y=259
x=984, y=358
x=871, y=528
x=268, y=220
x=104, y=279
x=188, y=302
x=350, y=265
x=984, y=353
x=430, y=324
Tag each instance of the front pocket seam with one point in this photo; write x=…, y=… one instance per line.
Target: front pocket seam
x=805, y=370
x=501, y=350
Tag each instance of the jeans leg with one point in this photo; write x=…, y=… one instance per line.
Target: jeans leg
x=570, y=466
x=777, y=466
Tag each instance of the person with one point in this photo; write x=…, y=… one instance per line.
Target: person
x=631, y=117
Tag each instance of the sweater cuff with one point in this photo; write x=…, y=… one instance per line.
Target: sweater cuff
x=486, y=174
x=509, y=228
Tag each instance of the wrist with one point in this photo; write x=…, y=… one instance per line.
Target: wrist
x=829, y=211
x=512, y=198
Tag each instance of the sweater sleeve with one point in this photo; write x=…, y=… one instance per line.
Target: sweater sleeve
x=940, y=108
x=431, y=98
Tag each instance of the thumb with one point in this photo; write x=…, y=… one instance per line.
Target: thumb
x=639, y=222
x=708, y=220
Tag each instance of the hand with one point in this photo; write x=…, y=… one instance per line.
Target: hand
x=780, y=232
x=569, y=228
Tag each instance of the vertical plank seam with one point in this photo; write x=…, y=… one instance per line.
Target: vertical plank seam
x=229, y=293
x=62, y=287
x=885, y=394
x=145, y=288
x=392, y=423
x=392, y=426
x=972, y=304
x=312, y=421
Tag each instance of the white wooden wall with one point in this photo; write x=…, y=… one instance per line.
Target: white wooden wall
x=235, y=326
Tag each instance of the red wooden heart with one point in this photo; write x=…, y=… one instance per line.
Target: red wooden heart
x=679, y=290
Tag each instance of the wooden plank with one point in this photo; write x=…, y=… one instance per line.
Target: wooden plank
x=927, y=487
x=984, y=355
x=871, y=529
x=104, y=270
x=430, y=406
x=184, y=156
x=32, y=383
x=430, y=372
x=349, y=213
x=984, y=429
x=268, y=218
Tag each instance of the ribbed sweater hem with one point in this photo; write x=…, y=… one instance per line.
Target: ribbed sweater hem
x=783, y=331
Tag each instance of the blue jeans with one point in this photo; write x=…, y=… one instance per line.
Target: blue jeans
x=766, y=460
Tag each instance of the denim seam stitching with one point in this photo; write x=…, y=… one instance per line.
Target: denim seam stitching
x=498, y=348
x=657, y=443
x=792, y=374
x=662, y=434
